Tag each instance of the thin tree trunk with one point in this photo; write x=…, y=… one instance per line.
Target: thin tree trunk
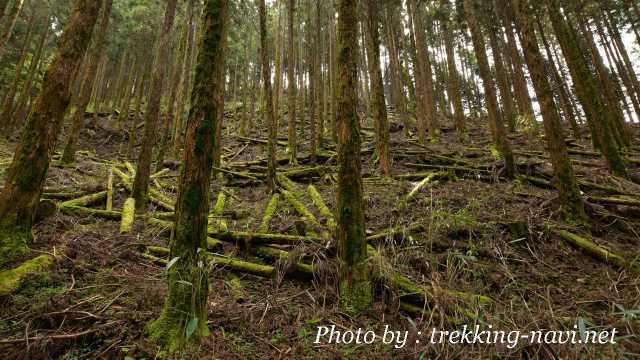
x=291, y=85
x=268, y=106
x=88, y=84
x=21, y=103
x=565, y=101
x=378, y=104
x=8, y=103
x=598, y=116
x=186, y=78
x=454, y=77
x=571, y=202
x=141, y=181
x=6, y=28
x=495, y=117
x=426, y=72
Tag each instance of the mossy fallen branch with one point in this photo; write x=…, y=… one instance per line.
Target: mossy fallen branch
x=598, y=251
x=109, y=205
x=324, y=210
x=429, y=179
x=215, y=218
x=128, y=215
x=614, y=201
x=84, y=211
x=269, y=212
x=248, y=238
x=393, y=232
x=86, y=200
x=302, y=210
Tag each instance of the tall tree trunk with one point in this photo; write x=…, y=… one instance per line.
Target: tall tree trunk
x=319, y=77
x=454, y=77
x=395, y=67
x=355, y=287
x=8, y=103
x=9, y=21
x=169, y=124
x=598, y=116
x=141, y=181
x=88, y=84
x=571, y=203
x=135, y=119
x=26, y=175
x=426, y=72
x=291, y=85
x=606, y=84
x=268, y=106
x=565, y=101
x=186, y=80
x=525, y=108
x=508, y=111
x=312, y=51
x=25, y=92
x=184, y=316
x=495, y=117
x=378, y=104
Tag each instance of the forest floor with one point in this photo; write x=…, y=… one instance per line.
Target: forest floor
x=470, y=231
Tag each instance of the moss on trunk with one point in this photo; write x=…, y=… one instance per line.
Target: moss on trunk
x=184, y=316
x=355, y=287
x=25, y=177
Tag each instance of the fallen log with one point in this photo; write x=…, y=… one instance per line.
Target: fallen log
x=598, y=251
x=614, y=200
x=109, y=205
x=248, y=238
x=84, y=211
x=269, y=212
x=302, y=210
x=324, y=210
x=86, y=200
x=216, y=220
x=128, y=215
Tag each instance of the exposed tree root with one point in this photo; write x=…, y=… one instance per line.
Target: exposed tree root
x=11, y=280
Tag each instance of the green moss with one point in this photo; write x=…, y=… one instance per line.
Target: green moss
x=184, y=315
x=128, y=215
x=10, y=280
x=269, y=211
x=356, y=296
x=13, y=242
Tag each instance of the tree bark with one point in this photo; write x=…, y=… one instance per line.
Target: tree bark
x=268, y=106
x=184, y=316
x=291, y=85
x=27, y=172
x=355, y=287
x=141, y=181
x=426, y=72
x=572, y=206
x=6, y=28
x=88, y=84
x=378, y=104
x=598, y=116
x=8, y=103
x=495, y=117
x=454, y=77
